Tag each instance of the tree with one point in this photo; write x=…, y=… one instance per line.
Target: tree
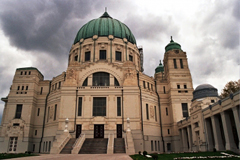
x=230, y=87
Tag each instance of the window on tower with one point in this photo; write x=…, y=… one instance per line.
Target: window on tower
x=18, y=111
x=87, y=56
x=130, y=58
x=118, y=56
x=175, y=63
x=76, y=58
x=185, y=109
x=181, y=63
x=102, y=54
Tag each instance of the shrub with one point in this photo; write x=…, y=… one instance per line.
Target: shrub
x=214, y=150
x=139, y=152
x=155, y=156
x=144, y=153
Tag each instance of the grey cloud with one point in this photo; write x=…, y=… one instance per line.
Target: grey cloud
x=43, y=25
x=236, y=10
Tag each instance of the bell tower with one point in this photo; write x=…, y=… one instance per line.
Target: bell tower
x=174, y=86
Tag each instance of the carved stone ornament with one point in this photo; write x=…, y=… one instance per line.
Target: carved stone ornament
x=71, y=74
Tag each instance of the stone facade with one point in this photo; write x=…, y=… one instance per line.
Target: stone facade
x=104, y=94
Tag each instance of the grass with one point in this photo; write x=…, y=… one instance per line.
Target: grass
x=175, y=155
x=15, y=155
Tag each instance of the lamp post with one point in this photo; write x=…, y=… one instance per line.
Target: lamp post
x=66, y=125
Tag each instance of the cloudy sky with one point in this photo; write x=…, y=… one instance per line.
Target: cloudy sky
x=40, y=34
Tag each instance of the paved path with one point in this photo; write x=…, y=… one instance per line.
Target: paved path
x=77, y=157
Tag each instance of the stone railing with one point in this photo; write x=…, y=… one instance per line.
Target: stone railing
x=60, y=142
x=78, y=144
x=110, y=143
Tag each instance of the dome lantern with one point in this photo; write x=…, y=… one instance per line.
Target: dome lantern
x=160, y=68
x=172, y=45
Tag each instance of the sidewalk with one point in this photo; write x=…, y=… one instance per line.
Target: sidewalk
x=77, y=157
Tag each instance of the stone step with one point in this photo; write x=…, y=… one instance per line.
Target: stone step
x=68, y=147
x=94, y=146
x=119, y=145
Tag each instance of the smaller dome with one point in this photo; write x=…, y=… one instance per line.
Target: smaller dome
x=172, y=45
x=204, y=90
x=160, y=68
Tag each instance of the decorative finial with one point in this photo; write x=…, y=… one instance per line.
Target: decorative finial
x=105, y=9
x=171, y=39
x=160, y=63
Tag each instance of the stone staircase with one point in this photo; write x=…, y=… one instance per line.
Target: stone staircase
x=68, y=147
x=119, y=145
x=94, y=146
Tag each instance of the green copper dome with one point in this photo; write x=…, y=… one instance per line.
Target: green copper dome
x=104, y=26
x=172, y=45
x=160, y=68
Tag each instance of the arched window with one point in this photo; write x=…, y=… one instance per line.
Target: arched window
x=100, y=79
x=116, y=83
x=85, y=83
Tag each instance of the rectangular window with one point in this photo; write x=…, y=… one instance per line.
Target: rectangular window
x=33, y=147
x=118, y=56
x=35, y=132
x=158, y=146
x=59, y=85
x=48, y=114
x=130, y=58
x=181, y=63
x=178, y=86
x=18, y=88
x=22, y=87
x=169, y=147
x=168, y=131
x=102, y=54
x=212, y=101
x=41, y=90
x=164, y=90
x=185, y=109
x=151, y=145
x=80, y=106
x=166, y=111
x=155, y=108
x=147, y=111
x=118, y=106
x=18, y=111
x=87, y=56
x=38, y=112
x=175, y=63
x=76, y=58
x=26, y=87
x=49, y=147
x=25, y=73
x=21, y=73
x=55, y=86
x=151, y=87
x=99, y=106
x=148, y=85
x=29, y=72
x=144, y=85
x=46, y=146
x=185, y=86
x=155, y=145
x=55, y=112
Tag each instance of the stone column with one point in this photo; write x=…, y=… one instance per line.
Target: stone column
x=217, y=134
x=237, y=122
x=189, y=131
x=209, y=135
x=227, y=128
x=184, y=139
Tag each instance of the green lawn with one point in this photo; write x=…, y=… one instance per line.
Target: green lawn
x=8, y=156
x=175, y=155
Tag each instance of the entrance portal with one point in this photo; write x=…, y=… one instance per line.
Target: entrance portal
x=78, y=130
x=98, y=131
x=119, y=131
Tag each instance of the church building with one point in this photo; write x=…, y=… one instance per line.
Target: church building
x=104, y=103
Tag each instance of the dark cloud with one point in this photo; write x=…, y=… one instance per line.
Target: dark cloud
x=43, y=25
x=236, y=9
